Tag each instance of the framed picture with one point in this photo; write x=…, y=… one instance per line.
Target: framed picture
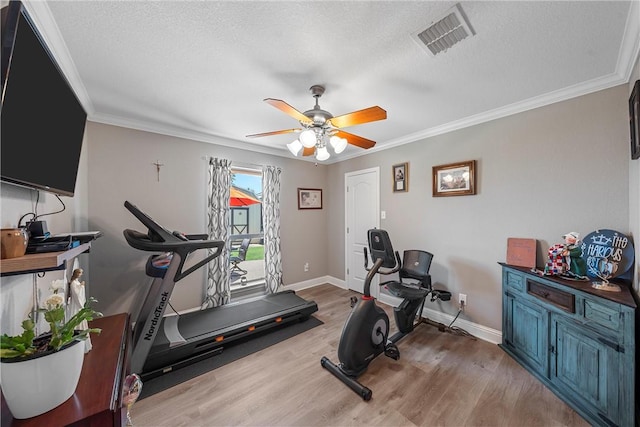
x=634, y=120
x=455, y=179
x=400, y=177
x=309, y=198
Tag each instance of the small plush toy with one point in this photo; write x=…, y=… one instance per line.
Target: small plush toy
x=565, y=259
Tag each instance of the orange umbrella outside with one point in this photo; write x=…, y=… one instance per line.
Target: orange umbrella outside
x=240, y=198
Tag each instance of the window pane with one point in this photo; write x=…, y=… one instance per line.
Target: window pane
x=246, y=263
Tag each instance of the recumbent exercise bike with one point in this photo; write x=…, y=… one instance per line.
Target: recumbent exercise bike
x=365, y=333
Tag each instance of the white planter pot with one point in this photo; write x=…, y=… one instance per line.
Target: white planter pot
x=34, y=386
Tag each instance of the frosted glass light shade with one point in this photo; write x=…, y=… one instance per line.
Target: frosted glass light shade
x=322, y=154
x=308, y=138
x=338, y=144
x=294, y=147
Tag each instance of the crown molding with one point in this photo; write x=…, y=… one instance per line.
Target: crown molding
x=161, y=129
x=627, y=57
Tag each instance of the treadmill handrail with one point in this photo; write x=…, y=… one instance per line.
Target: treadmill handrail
x=159, y=239
x=142, y=242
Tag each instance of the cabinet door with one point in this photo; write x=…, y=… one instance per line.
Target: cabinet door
x=583, y=364
x=526, y=331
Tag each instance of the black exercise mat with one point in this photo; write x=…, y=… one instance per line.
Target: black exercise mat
x=232, y=352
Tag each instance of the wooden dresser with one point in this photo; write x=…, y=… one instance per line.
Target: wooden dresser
x=97, y=400
x=579, y=341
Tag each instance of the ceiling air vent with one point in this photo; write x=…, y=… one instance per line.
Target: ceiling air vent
x=445, y=32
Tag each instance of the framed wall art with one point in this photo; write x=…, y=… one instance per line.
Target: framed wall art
x=309, y=198
x=634, y=120
x=454, y=179
x=400, y=177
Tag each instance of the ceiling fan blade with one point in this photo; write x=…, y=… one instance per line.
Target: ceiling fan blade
x=367, y=115
x=308, y=151
x=356, y=140
x=286, y=108
x=275, y=132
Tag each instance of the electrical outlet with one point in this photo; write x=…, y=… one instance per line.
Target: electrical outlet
x=306, y=266
x=462, y=300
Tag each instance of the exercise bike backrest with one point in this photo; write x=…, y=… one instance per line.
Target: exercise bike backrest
x=159, y=239
x=382, y=255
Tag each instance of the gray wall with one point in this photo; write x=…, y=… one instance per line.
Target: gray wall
x=540, y=174
x=121, y=163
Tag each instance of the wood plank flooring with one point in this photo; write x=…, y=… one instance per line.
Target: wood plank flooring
x=440, y=380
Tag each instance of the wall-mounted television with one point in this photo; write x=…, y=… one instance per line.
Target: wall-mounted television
x=43, y=121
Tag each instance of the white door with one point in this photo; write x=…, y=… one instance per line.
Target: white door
x=362, y=201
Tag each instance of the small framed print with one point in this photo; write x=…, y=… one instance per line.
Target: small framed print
x=634, y=120
x=309, y=198
x=400, y=177
x=454, y=179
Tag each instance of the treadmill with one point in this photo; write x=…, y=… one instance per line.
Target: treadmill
x=163, y=344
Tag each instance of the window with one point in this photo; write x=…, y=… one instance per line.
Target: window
x=247, y=266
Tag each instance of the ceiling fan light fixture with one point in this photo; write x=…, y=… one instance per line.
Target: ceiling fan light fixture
x=322, y=154
x=295, y=147
x=308, y=138
x=338, y=144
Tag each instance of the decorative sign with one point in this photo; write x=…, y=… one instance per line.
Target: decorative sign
x=521, y=252
x=608, y=252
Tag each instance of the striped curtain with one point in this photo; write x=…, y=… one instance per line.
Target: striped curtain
x=218, y=223
x=271, y=222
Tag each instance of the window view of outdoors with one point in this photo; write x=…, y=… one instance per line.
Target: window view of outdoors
x=246, y=259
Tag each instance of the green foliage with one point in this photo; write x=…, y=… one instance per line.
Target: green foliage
x=255, y=252
x=62, y=333
x=20, y=345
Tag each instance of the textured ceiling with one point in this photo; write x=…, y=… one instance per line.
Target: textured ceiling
x=201, y=69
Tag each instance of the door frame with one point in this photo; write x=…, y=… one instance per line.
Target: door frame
x=347, y=175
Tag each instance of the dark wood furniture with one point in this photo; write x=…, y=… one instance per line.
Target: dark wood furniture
x=577, y=340
x=97, y=400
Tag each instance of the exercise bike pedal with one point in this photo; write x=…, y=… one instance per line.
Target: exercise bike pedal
x=353, y=301
x=392, y=351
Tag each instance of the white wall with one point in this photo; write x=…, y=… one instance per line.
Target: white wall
x=540, y=174
x=17, y=292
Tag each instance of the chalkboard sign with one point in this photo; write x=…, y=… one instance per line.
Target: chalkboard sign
x=608, y=252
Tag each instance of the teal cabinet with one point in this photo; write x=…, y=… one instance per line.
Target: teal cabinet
x=526, y=331
x=583, y=365
x=579, y=341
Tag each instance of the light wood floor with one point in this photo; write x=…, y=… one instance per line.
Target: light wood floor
x=440, y=380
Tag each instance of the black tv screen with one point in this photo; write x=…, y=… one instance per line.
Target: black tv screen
x=43, y=121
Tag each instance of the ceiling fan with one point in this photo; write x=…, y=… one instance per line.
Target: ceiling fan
x=320, y=128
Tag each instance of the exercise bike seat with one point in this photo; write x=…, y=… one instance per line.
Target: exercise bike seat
x=415, y=266
x=404, y=291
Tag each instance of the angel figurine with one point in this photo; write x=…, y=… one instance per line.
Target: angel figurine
x=78, y=299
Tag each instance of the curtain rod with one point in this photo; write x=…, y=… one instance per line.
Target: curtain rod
x=239, y=164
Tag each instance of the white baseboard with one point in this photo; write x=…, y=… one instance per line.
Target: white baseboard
x=482, y=332
x=316, y=282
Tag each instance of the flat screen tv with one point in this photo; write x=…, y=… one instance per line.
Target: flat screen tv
x=43, y=121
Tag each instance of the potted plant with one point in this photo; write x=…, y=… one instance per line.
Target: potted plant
x=40, y=373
